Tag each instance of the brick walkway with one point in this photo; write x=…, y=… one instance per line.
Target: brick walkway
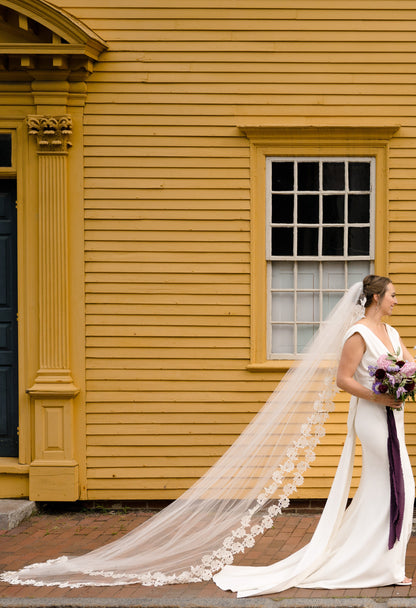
x=45, y=536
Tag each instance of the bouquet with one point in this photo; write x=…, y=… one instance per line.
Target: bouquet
x=394, y=377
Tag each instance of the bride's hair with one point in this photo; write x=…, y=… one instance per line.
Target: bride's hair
x=374, y=284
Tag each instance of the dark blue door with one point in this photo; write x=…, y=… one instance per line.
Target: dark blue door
x=8, y=319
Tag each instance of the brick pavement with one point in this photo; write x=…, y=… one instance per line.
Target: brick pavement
x=45, y=536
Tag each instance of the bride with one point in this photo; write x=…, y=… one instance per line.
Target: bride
x=237, y=499
x=361, y=547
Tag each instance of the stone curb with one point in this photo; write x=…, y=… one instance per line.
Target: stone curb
x=209, y=603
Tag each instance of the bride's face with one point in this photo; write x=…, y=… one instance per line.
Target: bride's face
x=389, y=300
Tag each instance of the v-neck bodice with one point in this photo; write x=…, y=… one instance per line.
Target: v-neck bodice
x=374, y=348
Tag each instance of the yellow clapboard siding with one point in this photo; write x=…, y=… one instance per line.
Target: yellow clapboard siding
x=168, y=210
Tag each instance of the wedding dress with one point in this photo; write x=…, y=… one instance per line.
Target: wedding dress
x=349, y=548
x=237, y=499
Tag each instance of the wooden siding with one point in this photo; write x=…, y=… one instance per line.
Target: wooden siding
x=167, y=211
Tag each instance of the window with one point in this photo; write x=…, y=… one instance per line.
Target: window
x=319, y=241
x=5, y=149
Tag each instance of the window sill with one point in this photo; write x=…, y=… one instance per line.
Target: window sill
x=275, y=365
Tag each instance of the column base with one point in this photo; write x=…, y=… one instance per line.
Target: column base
x=57, y=482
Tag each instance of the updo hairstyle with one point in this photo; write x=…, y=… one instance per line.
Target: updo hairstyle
x=374, y=285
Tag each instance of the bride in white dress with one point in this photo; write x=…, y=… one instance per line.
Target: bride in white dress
x=236, y=500
x=350, y=548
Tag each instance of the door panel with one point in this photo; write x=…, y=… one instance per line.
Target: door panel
x=8, y=320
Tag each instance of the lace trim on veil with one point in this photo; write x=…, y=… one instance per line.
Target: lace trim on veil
x=295, y=402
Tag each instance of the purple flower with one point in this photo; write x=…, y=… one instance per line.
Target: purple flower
x=372, y=370
x=400, y=392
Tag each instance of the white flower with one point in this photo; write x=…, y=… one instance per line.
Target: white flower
x=271, y=489
x=288, y=466
x=255, y=530
x=239, y=532
x=277, y=477
x=292, y=453
x=207, y=560
x=228, y=558
x=207, y=574
x=246, y=521
x=302, y=442
x=237, y=548
x=228, y=542
x=261, y=499
x=289, y=488
x=284, y=501
x=319, y=431
x=302, y=466
x=274, y=510
x=267, y=522
x=317, y=406
x=305, y=429
x=309, y=455
x=216, y=565
x=298, y=479
x=249, y=541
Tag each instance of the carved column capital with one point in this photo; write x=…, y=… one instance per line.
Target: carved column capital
x=52, y=132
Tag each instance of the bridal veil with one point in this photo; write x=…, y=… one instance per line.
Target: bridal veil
x=236, y=500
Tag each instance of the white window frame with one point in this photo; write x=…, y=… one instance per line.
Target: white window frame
x=296, y=259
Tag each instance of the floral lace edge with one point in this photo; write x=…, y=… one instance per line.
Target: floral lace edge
x=240, y=539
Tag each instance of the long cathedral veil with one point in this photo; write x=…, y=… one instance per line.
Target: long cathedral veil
x=236, y=500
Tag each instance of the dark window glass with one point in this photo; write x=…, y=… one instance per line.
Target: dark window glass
x=282, y=176
x=308, y=176
x=282, y=241
x=333, y=241
x=359, y=176
x=5, y=150
x=358, y=208
x=282, y=208
x=358, y=241
x=308, y=209
x=307, y=241
x=333, y=209
x=333, y=176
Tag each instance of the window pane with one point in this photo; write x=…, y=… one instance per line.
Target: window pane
x=357, y=271
x=305, y=334
x=307, y=306
x=308, y=275
x=282, y=208
x=358, y=241
x=333, y=209
x=358, y=208
x=308, y=176
x=307, y=241
x=308, y=209
x=5, y=149
x=282, y=176
x=282, y=339
x=333, y=176
x=333, y=241
x=333, y=275
x=282, y=307
x=282, y=241
x=359, y=176
x=282, y=275
x=328, y=302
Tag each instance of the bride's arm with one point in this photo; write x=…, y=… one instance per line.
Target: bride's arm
x=351, y=356
x=406, y=354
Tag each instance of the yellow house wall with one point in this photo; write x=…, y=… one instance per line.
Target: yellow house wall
x=167, y=212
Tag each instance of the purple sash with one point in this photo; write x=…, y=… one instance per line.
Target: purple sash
x=396, y=481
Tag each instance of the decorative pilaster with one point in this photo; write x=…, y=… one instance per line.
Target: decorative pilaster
x=54, y=471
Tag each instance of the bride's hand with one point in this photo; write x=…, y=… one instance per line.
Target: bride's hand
x=389, y=401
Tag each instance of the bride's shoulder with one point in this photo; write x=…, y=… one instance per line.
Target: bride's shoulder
x=357, y=328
